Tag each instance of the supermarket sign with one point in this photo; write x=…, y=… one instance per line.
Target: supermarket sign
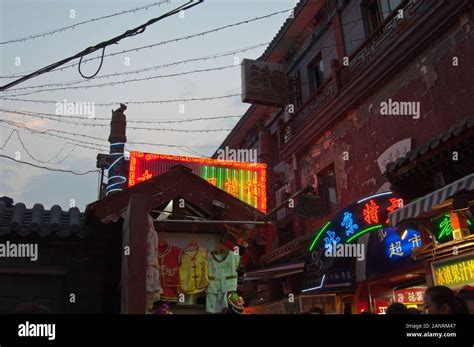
x=245, y=181
x=454, y=272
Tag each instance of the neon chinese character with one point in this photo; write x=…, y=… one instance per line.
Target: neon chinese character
x=446, y=227
x=419, y=296
x=448, y=277
x=470, y=266
x=382, y=234
x=348, y=223
x=415, y=241
x=146, y=175
x=395, y=203
x=212, y=181
x=440, y=277
x=252, y=188
x=457, y=276
x=231, y=186
x=411, y=297
x=370, y=212
x=396, y=249
x=330, y=239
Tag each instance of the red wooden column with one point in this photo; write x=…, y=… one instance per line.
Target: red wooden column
x=134, y=264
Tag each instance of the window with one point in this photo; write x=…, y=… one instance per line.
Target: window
x=316, y=73
x=377, y=10
x=327, y=187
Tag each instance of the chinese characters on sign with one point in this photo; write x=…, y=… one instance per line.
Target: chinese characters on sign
x=395, y=246
x=245, y=181
x=371, y=212
x=455, y=272
x=264, y=83
x=348, y=223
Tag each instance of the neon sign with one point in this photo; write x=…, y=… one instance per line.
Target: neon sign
x=443, y=229
x=397, y=247
x=371, y=212
x=368, y=214
x=245, y=181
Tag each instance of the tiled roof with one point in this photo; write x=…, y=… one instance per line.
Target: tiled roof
x=19, y=220
x=178, y=181
x=299, y=6
x=455, y=130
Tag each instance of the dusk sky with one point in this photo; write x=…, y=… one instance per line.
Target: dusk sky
x=24, y=18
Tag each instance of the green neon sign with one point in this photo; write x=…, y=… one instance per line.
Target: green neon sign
x=319, y=235
x=359, y=234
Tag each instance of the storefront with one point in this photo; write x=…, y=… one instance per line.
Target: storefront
x=438, y=179
x=446, y=216
x=186, y=243
x=360, y=259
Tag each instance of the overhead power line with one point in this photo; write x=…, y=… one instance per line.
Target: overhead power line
x=74, y=26
x=102, y=146
x=61, y=119
x=150, y=68
x=203, y=33
x=100, y=85
x=144, y=102
x=48, y=168
x=129, y=33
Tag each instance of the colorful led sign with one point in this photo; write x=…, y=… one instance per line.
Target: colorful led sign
x=245, y=181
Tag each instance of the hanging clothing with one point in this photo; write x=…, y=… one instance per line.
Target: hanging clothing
x=168, y=264
x=193, y=271
x=222, y=279
x=153, y=283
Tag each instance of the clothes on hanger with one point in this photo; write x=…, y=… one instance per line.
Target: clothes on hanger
x=153, y=283
x=222, y=279
x=168, y=263
x=193, y=270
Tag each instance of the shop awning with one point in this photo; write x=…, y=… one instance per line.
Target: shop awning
x=427, y=202
x=274, y=272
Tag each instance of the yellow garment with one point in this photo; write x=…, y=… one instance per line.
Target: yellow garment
x=193, y=271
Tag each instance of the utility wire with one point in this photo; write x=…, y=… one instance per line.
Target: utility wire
x=111, y=103
x=48, y=168
x=105, y=147
x=73, y=26
x=150, y=68
x=100, y=85
x=183, y=37
x=60, y=118
x=129, y=33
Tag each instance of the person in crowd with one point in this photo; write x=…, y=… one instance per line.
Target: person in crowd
x=397, y=308
x=441, y=300
x=467, y=294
